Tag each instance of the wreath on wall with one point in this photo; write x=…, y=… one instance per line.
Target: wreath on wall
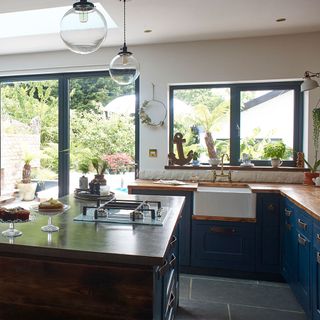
x=146, y=105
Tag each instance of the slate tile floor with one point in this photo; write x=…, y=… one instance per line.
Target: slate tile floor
x=216, y=298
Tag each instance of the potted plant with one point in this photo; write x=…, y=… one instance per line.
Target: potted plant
x=100, y=166
x=27, y=188
x=308, y=176
x=195, y=159
x=275, y=151
x=84, y=168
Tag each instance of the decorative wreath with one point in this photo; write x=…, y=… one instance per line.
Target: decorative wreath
x=145, y=118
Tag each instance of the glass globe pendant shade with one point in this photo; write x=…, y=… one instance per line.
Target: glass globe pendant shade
x=83, y=28
x=124, y=68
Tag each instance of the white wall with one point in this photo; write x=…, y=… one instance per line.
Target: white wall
x=249, y=59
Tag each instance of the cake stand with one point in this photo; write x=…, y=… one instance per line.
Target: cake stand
x=50, y=213
x=12, y=232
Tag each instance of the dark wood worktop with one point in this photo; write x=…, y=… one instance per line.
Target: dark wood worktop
x=96, y=241
x=306, y=197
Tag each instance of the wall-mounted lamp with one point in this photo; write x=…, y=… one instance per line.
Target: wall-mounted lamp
x=308, y=83
x=83, y=28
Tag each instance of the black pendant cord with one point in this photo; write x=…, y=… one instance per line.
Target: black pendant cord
x=124, y=27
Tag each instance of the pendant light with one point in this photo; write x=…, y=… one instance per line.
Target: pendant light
x=308, y=83
x=83, y=28
x=124, y=67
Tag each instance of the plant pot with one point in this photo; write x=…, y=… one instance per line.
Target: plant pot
x=214, y=161
x=195, y=163
x=308, y=176
x=27, y=190
x=99, y=178
x=276, y=163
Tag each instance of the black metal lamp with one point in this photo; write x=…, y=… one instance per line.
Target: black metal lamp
x=83, y=28
x=124, y=67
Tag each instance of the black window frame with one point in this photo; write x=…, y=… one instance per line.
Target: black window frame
x=235, y=91
x=64, y=118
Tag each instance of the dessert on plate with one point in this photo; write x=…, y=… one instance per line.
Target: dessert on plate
x=51, y=204
x=13, y=214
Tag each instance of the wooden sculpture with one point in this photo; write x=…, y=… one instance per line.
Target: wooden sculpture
x=181, y=160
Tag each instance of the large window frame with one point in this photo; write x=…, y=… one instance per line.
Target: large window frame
x=235, y=96
x=64, y=118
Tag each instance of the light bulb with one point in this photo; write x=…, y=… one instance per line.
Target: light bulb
x=83, y=16
x=124, y=59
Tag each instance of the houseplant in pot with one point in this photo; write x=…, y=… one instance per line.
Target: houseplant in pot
x=275, y=151
x=308, y=176
x=100, y=166
x=195, y=159
x=27, y=188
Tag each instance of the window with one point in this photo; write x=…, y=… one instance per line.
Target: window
x=59, y=122
x=240, y=118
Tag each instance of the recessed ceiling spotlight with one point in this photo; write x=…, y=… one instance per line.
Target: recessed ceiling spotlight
x=147, y=31
x=281, y=20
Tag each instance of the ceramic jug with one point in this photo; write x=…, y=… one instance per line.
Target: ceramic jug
x=316, y=181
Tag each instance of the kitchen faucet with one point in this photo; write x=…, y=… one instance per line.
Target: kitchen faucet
x=222, y=174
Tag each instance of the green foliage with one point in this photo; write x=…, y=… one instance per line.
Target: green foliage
x=84, y=166
x=313, y=168
x=316, y=129
x=195, y=156
x=274, y=150
x=99, y=165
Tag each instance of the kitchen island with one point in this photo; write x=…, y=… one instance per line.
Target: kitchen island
x=91, y=270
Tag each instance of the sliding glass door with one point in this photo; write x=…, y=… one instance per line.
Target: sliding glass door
x=29, y=134
x=60, y=123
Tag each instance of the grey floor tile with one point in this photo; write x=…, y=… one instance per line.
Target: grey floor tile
x=253, y=313
x=245, y=294
x=196, y=310
x=184, y=287
x=273, y=284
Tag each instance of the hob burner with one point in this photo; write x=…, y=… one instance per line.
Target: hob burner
x=125, y=211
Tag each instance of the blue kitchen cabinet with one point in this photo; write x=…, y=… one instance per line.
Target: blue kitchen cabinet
x=268, y=233
x=223, y=245
x=302, y=288
x=185, y=221
x=288, y=241
x=315, y=271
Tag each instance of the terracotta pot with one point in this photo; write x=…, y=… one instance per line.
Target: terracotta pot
x=308, y=176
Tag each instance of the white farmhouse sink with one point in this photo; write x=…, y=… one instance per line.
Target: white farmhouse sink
x=225, y=202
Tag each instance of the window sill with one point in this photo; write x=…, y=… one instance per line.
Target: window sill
x=227, y=167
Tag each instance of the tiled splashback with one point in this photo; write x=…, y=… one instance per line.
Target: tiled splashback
x=237, y=176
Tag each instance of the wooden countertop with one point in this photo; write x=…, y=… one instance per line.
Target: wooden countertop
x=305, y=197
x=96, y=241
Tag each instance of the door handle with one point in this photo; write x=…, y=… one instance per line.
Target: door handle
x=173, y=261
x=318, y=237
x=288, y=226
x=302, y=240
x=163, y=269
x=318, y=257
x=302, y=224
x=222, y=230
x=173, y=241
x=287, y=212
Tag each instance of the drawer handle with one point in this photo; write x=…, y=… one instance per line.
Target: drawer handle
x=173, y=241
x=302, y=224
x=171, y=300
x=222, y=230
x=173, y=261
x=318, y=237
x=287, y=212
x=163, y=269
x=318, y=257
x=302, y=240
x=271, y=207
x=288, y=226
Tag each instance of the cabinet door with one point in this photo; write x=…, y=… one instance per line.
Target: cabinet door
x=288, y=244
x=185, y=221
x=303, y=287
x=268, y=233
x=315, y=260
x=223, y=245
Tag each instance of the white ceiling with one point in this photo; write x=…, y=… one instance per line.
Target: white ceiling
x=178, y=20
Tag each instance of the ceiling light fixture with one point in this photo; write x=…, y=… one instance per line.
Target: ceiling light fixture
x=83, y=28
x=308, y=83
x=124, y=67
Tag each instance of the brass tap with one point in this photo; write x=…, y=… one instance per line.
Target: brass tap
x=222, y=158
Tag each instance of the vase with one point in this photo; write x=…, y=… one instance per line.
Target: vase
x=99, y=178
x=83, y=183
x=195, y=163
x=276, y=163
x=308, y=176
